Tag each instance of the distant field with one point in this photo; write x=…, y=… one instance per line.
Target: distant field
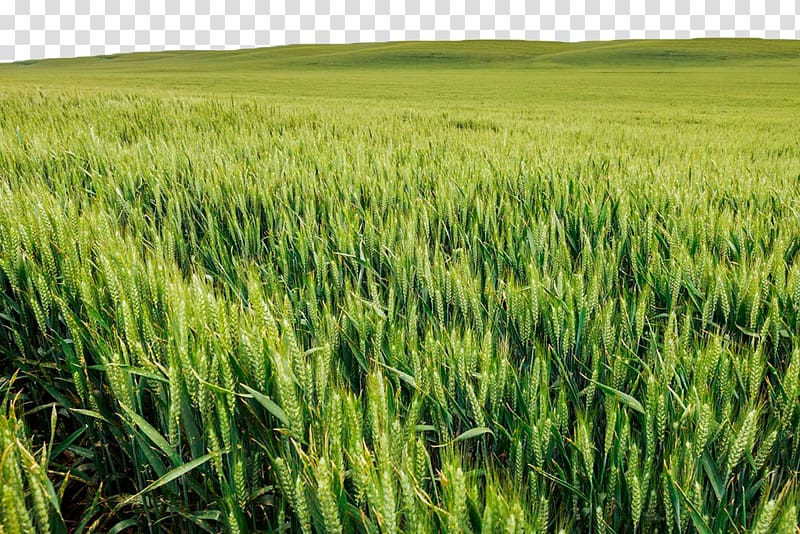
x=475, y=286
x=424, y=73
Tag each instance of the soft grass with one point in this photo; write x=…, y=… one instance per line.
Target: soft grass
x=507, y=294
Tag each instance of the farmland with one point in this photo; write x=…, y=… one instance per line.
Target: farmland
x=504, y=286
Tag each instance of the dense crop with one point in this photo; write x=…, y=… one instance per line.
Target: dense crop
x=267, y=312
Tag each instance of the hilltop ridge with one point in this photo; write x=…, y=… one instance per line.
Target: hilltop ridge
x=455, y=54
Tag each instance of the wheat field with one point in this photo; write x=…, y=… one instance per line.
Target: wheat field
x=421, y=287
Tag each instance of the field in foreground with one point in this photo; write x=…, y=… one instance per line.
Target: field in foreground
x=424, y=287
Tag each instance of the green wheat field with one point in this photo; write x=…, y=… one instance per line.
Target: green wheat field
x=407, y=287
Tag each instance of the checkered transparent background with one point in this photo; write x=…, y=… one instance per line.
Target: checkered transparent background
x=32, y=29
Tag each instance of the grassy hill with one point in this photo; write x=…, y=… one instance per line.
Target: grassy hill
x=472, y=76
x=678, y=54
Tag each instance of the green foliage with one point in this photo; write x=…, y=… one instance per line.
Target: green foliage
x=27, y=499
x=544, y=299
